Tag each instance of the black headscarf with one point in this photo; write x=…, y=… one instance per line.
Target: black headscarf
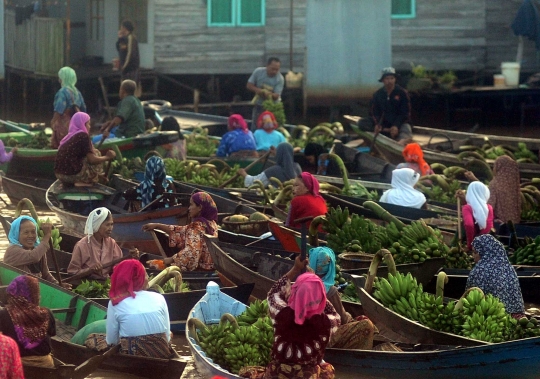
x=169, y=123
x=313, y=149
x=285, y=167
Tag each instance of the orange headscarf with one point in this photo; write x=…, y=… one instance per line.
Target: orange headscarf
x=413, y=154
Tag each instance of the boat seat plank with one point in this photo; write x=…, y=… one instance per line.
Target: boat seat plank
x=63, y=310
x=72, y=304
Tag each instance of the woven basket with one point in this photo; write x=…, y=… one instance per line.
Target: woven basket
x=252, y=228
x=349, y=260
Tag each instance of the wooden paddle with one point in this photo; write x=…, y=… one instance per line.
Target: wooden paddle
x=90, y=271
x=156, y=240
x=55, y=261
x=92, y=364
x=303, y=247
x=264, y=156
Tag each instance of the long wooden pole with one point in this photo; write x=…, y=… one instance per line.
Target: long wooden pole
x=232, y=179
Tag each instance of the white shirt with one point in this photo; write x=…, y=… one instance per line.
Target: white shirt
x=145, y=314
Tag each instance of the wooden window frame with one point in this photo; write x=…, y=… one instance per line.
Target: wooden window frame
x=236, y=17
x=411, y=14
x=98, y=18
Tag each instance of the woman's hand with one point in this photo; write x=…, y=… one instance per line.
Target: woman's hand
x=299, y=266
x=110, y=154
x=134, y=253
x=460, y=194
x=47, y=228
x=149, y=227
x=66, y=286
x=97, y=268
x=14, y=150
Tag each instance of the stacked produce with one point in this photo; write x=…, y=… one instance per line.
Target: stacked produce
x=488, y=151
x=198, y=143
x=238, y=342
x=528, y=254
x=474, y=315
x=40, y=140
x=128, y=167
x=322, y=134
x=530, y=200
x=355, y=189
x=55, y=233
x=441, y=187
x=192, y=171
x=93, y=289
x=358, y=228
x=276, y=192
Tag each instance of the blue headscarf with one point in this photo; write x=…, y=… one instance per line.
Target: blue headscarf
x=155, y=171
x=13, y=235
x=323, y=261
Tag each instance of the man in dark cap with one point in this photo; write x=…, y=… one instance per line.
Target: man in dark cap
x=391, y=109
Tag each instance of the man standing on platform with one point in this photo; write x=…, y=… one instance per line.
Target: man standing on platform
x=265, y=82
x=390, y=110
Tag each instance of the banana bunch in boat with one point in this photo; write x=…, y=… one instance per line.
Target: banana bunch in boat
x=55, y=233
x=127, y=167
x=192, y=171
x=357, y=228
x=198, y=144
x=419, y=235
x=522, y=154
x=528, y=254
x=39, y=140
x=441, y=187
x=530, y=201
x=525, y=328
x=257, y=309
x=335, y=219
x=276, y=192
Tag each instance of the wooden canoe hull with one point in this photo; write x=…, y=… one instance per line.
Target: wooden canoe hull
x=20, y=187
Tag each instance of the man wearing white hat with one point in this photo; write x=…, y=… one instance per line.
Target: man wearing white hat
x=391, y=109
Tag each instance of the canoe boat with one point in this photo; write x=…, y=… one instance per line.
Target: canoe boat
x=504, y=360
x=72, y=312
x=19, y=187
x=20, y=132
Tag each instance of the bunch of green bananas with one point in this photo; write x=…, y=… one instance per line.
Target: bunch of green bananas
x=55, y=233
x=257, y=309
x=198, y=144
x=191, y=171
x=525, y=327
x=441, y=188
x=527, y=255
x=530, y=198
x=436, y=315
x=212, y=339
x=522, y=154
x=127, y=167
x=335, y=219
x=418, y=235
x=275, y=193
x=398, y=292
x=357, y=228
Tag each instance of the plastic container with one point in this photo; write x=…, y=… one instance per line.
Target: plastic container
x=510, y=70
x=499, y=81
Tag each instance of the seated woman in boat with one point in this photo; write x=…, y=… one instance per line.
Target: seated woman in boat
x=175, y=150
x=26, y=252
x=238, y=141
x=97, y=248
x=414, y=158
x=77, y=161
x=352, y=333
x=30, y=325
x=10, y=359
x=306, y=202
x=477, y=213
x=403, y=192
x=494, y=274
x=504, y=189
x=193, y=253
x=304, y=321
x=318, y=160
x=154, y=185
x=266, y=134
x=137, y=319
x=284, y=169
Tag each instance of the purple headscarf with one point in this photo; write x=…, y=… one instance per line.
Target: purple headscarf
x=209, y=211
x=76, y=125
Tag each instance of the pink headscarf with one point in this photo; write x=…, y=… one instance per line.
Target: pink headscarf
x=312, y=184
x=236, y=121
x=76, y=125
x=128, y=277
x=308, y=297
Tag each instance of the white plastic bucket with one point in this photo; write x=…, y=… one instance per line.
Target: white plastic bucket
x=499, y=80
x=510, y=70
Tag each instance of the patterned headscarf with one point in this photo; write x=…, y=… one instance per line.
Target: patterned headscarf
x=94, y=221
x=155, y=172
x=267, y=121
x=505, y=192
x=13, y=235
x=236, y=121
x=477, y=196
x=285, y=167
x=494, y=274
x=311, y=183
x=68, y=77
x=209, y=211
x=128, y=277
x=413, y=154
x=308, y=297
x=30, y=320
x=77, y=124
x=323, y=261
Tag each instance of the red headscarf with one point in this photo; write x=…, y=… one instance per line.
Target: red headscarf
x=236, y=121
x=128, y=277
x=311, y=183
x=413, y=154
x=209, y=211
x=267, y=121
x=308, y=297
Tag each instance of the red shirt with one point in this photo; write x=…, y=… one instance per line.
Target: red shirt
x=305, y=206
x=470, y=224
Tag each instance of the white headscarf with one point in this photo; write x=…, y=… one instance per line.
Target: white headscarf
x=477, y=197
x=94, y=221
x=402, y=191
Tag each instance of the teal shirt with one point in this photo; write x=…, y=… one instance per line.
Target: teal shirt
x=131, y=112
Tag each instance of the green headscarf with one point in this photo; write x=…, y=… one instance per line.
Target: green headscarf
x=68, y=77
x=323, y=261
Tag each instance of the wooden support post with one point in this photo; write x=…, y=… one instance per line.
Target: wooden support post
x=105, y=96
x=196, y=100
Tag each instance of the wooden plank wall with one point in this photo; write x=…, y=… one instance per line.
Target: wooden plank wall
x=185, y=45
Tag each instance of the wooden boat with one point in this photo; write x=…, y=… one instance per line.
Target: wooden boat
x=504, y=360
x=73, y=312
x=19, y=187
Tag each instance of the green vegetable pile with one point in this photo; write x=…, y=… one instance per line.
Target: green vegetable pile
x=93, y=289
x=277, y=109
x=39, y=140
x=198, y=143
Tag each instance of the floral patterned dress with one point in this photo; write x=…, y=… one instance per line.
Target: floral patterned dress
x=193, y=252
x=10, y=360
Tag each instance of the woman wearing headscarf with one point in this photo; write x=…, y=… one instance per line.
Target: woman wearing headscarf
x=477, y=213
x=97, y=248
x=26, y=251
x=306, y=202
x=414, y=158
x=266, y=134
x=402, y=191
x=494, y=274
x=30, y=325
x=137, y=319
x=238, y=141
x=193, y=252
x=153, y=186
x=77, y=161
x=352, y=333
x=284, y=169
x=177, y=149
x=10, y=359
x=67, y=101
x=304, y=321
